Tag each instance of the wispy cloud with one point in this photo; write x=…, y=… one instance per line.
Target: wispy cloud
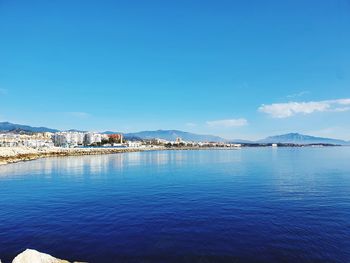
x=228, y=123
x=299, y=94
x=289, y=109
x=79, y=114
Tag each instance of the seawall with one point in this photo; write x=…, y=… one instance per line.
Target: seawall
x=19, y=154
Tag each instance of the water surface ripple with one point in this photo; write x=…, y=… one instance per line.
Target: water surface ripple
x=248, y=205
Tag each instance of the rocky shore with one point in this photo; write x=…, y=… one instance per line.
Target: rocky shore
x=33, y=256
x=18, y=154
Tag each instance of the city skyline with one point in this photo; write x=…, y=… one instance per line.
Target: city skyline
x=236, y=70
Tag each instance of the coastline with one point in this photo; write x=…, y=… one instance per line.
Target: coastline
x=10, y=155
x=20, y=154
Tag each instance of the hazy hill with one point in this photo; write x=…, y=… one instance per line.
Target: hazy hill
x=8, y=126
x=297, y=138
x=171, y=135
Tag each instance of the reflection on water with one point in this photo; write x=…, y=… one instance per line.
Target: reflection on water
x=248, y=205
x=96, y=164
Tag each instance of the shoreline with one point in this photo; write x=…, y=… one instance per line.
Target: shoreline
x=10, y=155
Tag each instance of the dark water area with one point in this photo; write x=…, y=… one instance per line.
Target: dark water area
x=248, y=205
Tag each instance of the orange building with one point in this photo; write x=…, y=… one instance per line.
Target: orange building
x=116, y=137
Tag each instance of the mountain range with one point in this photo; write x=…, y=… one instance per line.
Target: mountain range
x=171, y=135
x=8, y=126
x=296, y=138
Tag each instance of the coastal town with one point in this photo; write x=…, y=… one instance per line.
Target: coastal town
x=22, y=146
x=75, y=139
x=20, y=142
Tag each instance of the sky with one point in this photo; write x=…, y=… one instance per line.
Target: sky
x=237, y=69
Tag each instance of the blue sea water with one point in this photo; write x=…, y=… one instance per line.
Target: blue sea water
x=248, y=205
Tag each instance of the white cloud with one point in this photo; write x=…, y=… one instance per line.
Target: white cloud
x=344, y=101
x=285, y=110
x=228, y=123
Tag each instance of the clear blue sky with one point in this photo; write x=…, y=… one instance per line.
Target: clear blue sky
x=239, y=69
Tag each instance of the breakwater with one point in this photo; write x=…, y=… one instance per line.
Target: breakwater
x=18, y=154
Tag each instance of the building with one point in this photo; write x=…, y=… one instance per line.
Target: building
x=116, y=138
x=37, y=140
x=74, y=139
x=92, y=138
x=178, y=140
x=68, y=139
x=134, y=144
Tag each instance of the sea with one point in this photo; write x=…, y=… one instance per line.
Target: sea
x=244, y=205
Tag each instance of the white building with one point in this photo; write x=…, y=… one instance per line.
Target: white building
x=68, y=139
x=77, y=138
x=92, y=137
x=37, y=140
x=9, y=140
x=238, y=145
x=38, y=143
x=74, y=139
x=135, y=144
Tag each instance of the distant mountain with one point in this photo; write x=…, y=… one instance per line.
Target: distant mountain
x=7, y=126
x=127, y=136
x=171, y=135
x=297, y=138
x=75, y=130
x=110, y=132
x=240, y=141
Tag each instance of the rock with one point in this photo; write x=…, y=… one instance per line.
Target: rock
x=18, y=154
x=33, y=256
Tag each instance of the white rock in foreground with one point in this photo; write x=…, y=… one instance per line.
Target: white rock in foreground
x=33, y=256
